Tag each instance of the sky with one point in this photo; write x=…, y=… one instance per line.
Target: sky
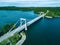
x=30, y=3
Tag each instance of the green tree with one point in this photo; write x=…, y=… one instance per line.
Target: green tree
x=7, y=27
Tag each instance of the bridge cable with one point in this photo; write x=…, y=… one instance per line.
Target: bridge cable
x=13, y=26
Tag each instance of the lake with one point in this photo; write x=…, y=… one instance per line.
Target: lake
x=8, y=16
x=43, y=32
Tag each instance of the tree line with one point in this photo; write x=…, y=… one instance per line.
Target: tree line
x=54, y=11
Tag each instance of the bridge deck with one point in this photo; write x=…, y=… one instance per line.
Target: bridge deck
x=9, y=34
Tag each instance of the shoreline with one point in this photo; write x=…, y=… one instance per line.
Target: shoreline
x=52, y=16
x=22, y=40
x=48, y=16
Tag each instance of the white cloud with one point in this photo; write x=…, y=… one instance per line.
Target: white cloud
x=16, y=0
x=8, y=0
x=26, y=0
x=29, y=2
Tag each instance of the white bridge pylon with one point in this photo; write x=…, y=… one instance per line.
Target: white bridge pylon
x=21, y=22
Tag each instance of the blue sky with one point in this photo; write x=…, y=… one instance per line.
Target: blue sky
x=30, y=3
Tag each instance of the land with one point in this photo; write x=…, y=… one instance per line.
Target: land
x=13, y=39
x=53, y=11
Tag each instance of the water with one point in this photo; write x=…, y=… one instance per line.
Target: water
x=43, y=32
x=8, y=16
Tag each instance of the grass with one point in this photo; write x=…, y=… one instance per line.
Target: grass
x=12, y=40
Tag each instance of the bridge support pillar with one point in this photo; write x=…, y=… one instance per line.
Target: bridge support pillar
x=42, y=13
x=21, y=22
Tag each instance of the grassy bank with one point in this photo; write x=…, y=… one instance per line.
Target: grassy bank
x=5, y=28
x=12, y=40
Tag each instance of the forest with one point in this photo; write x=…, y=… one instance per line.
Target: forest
x=53, y=11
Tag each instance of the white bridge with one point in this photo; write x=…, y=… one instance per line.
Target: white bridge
x=21, y=27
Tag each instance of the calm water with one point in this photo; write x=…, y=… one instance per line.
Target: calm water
x=8, y=16
x=43, y=32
